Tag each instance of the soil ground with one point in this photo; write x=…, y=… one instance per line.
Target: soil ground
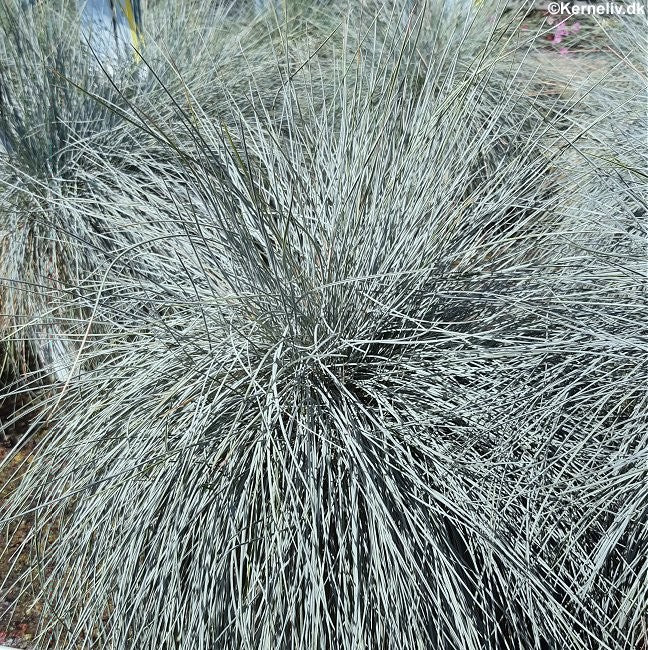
x=18, y=616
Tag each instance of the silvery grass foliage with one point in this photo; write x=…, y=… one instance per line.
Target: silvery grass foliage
x=604, y=94
x=53, y=225
x=610, y=76
x=78, y=174
x=408, y=412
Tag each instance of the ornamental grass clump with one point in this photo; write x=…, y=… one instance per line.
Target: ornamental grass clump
x=84, y=179
x=393, y=397
x=60, y=214
x=85, y=146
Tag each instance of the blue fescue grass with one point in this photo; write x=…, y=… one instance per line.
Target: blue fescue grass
x=388, y=391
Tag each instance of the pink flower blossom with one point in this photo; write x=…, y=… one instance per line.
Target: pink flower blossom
x=576, y=27
x=560, y=31
x=564, y=50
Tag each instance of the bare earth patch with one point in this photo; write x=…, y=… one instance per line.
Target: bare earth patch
x=18, y=614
